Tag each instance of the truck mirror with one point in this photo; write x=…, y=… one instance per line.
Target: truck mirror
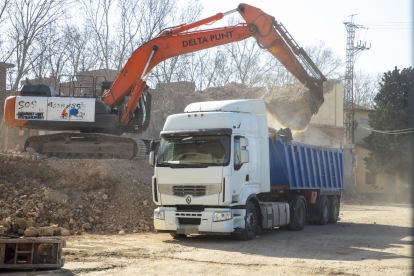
x=152, y=158
x=153, y=145
x=244, y=156
x=243, y=142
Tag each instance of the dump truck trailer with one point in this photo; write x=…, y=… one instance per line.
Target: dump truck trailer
x=219, y=171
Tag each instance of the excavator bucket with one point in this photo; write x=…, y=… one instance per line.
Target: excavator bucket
x=273, y=36
x=292, y=106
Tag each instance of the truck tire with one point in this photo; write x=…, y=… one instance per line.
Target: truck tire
x=174, y=235
x=333, y=209
x=297, y=214
x=250, y=224
x=324, y=210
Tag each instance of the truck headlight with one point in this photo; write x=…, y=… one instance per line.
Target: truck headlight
x=220, y=216
x=158, y=214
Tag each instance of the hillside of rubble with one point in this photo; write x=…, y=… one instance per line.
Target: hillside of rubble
x=98, y=196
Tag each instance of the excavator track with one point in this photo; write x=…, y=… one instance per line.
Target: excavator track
x=67, y=145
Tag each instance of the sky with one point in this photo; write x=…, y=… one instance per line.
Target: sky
x=389, y=22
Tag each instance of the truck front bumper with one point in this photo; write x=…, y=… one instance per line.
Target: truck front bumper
x=186, y=222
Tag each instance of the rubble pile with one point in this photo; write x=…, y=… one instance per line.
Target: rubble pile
x=42, y=196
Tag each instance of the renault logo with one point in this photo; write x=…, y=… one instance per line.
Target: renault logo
x=188, y=199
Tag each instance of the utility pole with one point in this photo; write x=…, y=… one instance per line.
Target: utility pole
x=351, y=52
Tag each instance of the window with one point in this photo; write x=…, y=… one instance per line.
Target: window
x=191, y=151
x=237, y=159
x=364, y=121
x=370, y=178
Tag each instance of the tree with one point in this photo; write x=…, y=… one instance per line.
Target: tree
x=28, y=20
x=3, y=5
x=391, y=150
x=81, y=50
x=326, y=60
x=366, y=86
x=97, y=14
x=177, y=68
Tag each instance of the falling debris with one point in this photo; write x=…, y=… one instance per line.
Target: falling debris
x=290, y=104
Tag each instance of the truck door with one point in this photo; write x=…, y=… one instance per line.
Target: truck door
x=240, y=171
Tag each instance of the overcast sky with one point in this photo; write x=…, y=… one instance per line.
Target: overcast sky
x=390, y=26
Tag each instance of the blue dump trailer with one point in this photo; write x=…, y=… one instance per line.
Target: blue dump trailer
x=297, y=166
x=308, y=178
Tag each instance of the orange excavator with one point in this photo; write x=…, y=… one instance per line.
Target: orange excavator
x=124, y=106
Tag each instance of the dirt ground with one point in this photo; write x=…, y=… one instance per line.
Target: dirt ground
x=368, y=240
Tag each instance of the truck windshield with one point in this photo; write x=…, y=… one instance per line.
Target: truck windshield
x=193, y=151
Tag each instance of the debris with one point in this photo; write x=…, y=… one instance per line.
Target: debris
x=55, y=229
x=58, y=193
x=31, y=232
x=6, y=224
x=86, y=226
x=45, y=231
x=56, y=197
x=64, y=231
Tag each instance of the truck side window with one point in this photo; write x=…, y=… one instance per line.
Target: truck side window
x=237, y=161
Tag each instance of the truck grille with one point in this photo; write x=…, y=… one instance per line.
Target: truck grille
x=194, y=221
x=189, y=190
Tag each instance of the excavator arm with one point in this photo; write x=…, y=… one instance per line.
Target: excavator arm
x=132, y=77
x=178, y=41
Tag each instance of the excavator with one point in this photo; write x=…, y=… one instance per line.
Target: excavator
x=97, y=118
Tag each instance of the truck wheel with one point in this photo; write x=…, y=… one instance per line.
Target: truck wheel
x=297, y=214
x=250, y=224
x=177, y=236
x=324, y=208
x=333, y=209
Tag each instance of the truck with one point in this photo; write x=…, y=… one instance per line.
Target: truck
x=92, y=119
x=219, y=169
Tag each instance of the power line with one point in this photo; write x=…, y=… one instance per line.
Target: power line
x=400, y=131
x=389, y=25
x=386, y=22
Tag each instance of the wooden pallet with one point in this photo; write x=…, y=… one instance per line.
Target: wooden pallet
x=29, y=253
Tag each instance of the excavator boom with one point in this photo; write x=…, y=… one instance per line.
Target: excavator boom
x=269, y=34
x=132, y=76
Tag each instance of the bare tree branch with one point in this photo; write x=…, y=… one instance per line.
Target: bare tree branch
x=29, y=19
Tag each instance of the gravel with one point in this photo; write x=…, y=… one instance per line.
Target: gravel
x=42, y=196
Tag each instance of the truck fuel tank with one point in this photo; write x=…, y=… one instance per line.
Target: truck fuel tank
x=274, y=214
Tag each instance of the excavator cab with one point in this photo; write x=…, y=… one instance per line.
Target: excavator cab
x=142, y=113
